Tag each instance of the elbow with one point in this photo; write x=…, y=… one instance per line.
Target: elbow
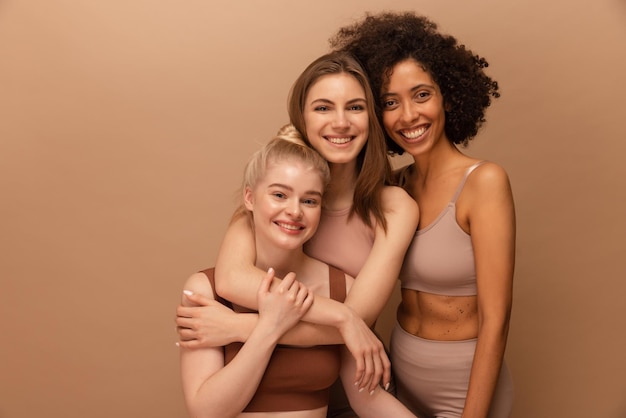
x=222, y=280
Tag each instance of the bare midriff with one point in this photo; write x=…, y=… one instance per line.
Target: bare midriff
x=438, y=317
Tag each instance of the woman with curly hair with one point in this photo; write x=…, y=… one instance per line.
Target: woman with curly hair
x=447, y=349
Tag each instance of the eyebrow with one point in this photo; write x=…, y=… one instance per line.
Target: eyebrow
x=351, y=101
x=284, y=186
x=413, y=89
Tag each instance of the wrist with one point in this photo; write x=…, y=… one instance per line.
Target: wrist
x=345, y=318
x=246, y=323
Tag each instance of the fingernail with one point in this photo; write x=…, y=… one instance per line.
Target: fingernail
x=372, y=392
x=177, y=344
x=188, y=292
x=361, y=390
x=270, y=270
x=387, y=386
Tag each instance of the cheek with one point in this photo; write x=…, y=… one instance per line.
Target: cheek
x=314, y=219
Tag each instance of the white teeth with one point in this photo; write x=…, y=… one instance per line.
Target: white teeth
x=414, y=134
x=340, y=140
x=288, y=226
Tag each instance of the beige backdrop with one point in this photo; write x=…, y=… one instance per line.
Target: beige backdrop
x=124, y=126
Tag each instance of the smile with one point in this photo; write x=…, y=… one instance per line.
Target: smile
x=339, y=141
x=415, y=133
x=290, y=227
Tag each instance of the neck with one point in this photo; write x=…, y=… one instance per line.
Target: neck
x=340, y=192
x=281, y=260
x=436, y=161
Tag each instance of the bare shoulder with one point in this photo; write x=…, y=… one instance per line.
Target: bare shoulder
x=487, y=192
x=488, y=178
x=396, y=198
x=401, y=211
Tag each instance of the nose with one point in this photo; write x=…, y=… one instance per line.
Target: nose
x=340, y=120
x=410, y=113
x=294, y=210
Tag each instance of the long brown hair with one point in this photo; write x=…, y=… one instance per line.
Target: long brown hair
x=372, y=164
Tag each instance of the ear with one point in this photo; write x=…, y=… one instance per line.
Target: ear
x=248, y=199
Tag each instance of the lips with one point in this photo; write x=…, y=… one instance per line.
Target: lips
x=412, y=134
x=290, y=226
x=339, y=140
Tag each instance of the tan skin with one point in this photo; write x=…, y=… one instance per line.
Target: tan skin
x=414, y=117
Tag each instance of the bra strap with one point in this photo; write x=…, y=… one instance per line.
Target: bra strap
x=337, y=284
x=467, y=173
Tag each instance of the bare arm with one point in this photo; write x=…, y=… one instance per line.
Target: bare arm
x=375, y=281
x=213, y=389
x=492, y=226
x=373, y=404
x=236, y=278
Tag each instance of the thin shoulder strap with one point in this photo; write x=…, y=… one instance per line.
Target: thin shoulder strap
x=337, y=284
x=467, y=173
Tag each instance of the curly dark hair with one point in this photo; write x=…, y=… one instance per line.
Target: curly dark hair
x=380, y=41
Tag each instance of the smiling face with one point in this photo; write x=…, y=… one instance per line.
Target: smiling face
x=413, y=109
x=285, y=204
x=336, y=119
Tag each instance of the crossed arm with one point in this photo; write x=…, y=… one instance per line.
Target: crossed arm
x=213, y=389
x=328, y=321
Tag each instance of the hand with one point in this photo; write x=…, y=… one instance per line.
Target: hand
x=283, y=307
x=207, y=323
x=372, y=363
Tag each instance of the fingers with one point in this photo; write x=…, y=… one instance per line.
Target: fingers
x=266, y=283
x=368, y=374
x=386, y=364
x=186, y=334
x=288, y=283
x=304, y=298
x=372, y=368
x=360, y=370
x=191, y=344
x=196, y=299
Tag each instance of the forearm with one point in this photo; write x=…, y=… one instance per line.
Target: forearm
x=377, y=278
x=486, y=366
x=237, y=280
x=376, y=404
x=304, y=333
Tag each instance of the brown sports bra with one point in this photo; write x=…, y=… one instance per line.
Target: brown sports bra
x=296, y=378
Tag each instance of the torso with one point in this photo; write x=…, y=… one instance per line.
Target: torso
x=297, y=379
x=438, y=313
x=342, y=242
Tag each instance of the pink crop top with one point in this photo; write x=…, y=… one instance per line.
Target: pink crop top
x=296, y=378
x=342, y=242
x=440, y=260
